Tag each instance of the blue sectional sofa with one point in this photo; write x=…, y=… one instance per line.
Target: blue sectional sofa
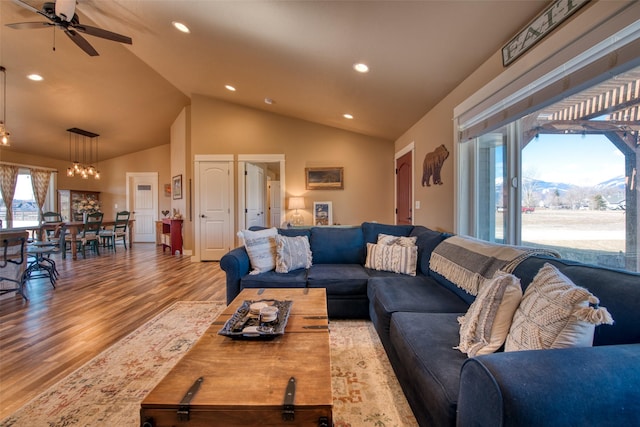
x=416, y=319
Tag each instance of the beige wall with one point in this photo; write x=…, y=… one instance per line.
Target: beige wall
x=219, y=127
x=112, y=184
x=436, y=127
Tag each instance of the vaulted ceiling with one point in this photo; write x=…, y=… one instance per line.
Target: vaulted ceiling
x=298, y=53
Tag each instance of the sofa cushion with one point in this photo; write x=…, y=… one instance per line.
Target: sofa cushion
x=292, y=253
x=293, y=232
x=420, y=294
x=337, y=245
x=270, y=279
x=617, y=290
x=395, y=258
x=371, y=230
x=555, y=313
x=427, y=240
x=339, y=279
x=261, y=247
x=484, y=328
x=428, y=366
x=444, y=282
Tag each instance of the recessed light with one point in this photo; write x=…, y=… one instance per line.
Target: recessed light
x=181, y=27
x=231, y=88
x=35, y=77
x=361, y=68
x=347, y=116
x=269, y=101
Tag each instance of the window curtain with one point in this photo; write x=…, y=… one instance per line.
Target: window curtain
x=8, y=180
x=40, y=183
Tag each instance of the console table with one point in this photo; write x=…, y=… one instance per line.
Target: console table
x=172, y=235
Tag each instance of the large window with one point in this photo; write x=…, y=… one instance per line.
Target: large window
x=562, y=177
x=25, y=208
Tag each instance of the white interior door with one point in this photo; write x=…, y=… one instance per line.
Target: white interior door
x=274, y=204
x=214, y=210
x=142, y=202
x=255, y=196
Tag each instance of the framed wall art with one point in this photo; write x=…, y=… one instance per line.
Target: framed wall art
x=324, y=178
x=176, y=187
x=322, y=213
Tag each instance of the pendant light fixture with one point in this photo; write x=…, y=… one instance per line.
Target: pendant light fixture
x=4, y=133
x=78, y=139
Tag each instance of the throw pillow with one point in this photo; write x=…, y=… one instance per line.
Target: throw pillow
x=555, y=313
x=394, y=258
x=292, y=253
x=484, y=328
x=387, y=239
x=261, y=248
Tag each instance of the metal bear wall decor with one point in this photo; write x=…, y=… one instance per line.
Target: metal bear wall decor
x=432, y=165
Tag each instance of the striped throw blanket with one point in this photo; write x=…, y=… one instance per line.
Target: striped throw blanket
x=468, y=262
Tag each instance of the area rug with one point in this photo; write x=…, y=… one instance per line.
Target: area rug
x=365, y=390
x=108, y=390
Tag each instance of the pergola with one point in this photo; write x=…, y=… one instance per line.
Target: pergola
x=612, y=109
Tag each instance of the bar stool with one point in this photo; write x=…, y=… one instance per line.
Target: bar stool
x=13, y=261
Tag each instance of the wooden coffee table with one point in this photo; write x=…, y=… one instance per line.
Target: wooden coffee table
x=244, y=381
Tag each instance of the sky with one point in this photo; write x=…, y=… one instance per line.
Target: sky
x=572, y=159
x=24, y=191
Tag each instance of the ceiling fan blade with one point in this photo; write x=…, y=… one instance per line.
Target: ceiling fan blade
x=29, y=25
x=26, y=6
x=81, y=42
x=99, y=32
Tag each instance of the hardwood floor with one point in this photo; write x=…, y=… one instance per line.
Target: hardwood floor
x=97, y=301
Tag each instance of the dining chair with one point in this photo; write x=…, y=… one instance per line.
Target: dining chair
x=13, y=259
x=50, y=217
x=42, y=264
x=89, y=236
x=118, y=231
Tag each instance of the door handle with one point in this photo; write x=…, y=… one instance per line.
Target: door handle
x=203, y=216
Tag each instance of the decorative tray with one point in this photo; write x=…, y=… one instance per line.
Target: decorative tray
x=244, y=324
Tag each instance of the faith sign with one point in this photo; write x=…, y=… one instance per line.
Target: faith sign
x=537, y=29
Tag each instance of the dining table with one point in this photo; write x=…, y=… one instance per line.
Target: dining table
x=75, y=227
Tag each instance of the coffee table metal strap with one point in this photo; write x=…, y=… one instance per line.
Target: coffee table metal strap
x=183, y=408
x=289, y=398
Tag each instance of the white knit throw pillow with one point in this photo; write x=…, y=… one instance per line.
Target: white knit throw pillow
x=394, y=258
x=484, y=328
x=292, y=253
x=261, y=248
x=387, y=239
x=555, y=313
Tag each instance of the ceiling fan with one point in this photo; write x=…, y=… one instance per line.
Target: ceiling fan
x=62, y=14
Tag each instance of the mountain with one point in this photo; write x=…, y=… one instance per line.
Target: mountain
x=617, y=183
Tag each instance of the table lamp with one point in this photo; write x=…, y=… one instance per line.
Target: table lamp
x=296, y=203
